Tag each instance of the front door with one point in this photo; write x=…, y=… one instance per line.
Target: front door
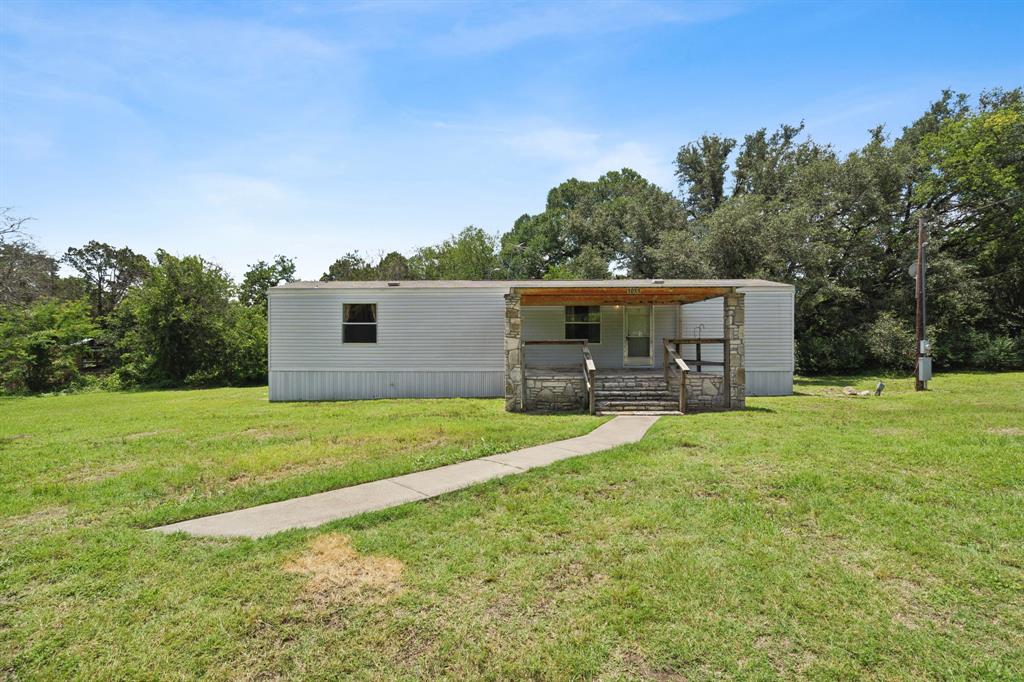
x=637, y=345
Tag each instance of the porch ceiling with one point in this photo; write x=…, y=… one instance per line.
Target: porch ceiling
x=655, y=295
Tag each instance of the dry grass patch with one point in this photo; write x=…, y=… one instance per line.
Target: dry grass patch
x=337, y=572
x=94, y=475
x=890, y=431
x=45, y=516
x=139, y=435
x=1008, y=431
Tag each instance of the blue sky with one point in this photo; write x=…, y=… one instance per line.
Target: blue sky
x=243, y=130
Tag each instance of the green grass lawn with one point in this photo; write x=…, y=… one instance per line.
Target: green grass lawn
x=816, y=535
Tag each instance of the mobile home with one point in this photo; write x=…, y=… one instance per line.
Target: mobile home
x=602, y=345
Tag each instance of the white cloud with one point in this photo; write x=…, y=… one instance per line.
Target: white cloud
x=236, y=191
x=587, y=155
x=643, y=158
x=556, y=144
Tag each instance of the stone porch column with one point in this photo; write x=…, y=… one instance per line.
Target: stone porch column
x=735, y=371
x=514, y=383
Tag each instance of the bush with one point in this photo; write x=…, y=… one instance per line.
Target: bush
x=997, y=352
x=845, y=351
x=174, y=324
x=181, y=327
x=42, y=346
x=891, y=342
x=246, y=359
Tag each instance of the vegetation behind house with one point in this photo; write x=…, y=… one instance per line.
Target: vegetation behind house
x=776, y=205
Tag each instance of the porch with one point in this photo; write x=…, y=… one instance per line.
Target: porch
x=604, y=347
x=621, y=390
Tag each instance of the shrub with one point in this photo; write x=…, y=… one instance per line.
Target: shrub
x=997, y=352
x=42, y=346
x=891, y=342
x=841, y=352
x=175, y=323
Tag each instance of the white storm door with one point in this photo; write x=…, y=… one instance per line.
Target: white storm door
x=637, y=346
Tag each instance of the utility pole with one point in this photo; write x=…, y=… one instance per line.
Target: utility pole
x=922, y=368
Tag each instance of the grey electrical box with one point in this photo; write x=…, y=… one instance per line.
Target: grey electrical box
x=924, y=368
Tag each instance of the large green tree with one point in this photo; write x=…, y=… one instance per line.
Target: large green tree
x=177, y=326
x=27, y=273
x=43, y=345
x=701, y=169
x=350, y=267
x=470, y=254
x=843, y=230
x=975, y=193
x=261, y=276
x=589, y=229
x=393, y=267
x=107, y=272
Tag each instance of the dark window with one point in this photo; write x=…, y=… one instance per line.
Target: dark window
x=583, y=322
x=359, y=324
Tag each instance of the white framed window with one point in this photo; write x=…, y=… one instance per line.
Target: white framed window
x=583, y=322
x=359, y=323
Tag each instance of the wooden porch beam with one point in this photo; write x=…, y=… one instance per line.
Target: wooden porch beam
x=619, y=295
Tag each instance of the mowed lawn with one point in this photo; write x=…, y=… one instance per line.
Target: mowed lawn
x=817, y=535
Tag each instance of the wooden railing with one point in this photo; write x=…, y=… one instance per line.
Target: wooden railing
x=588, y=366
x=589, y=377
x=673, y=364
x=697, y=342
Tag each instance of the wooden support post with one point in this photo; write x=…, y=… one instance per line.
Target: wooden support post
x=682, y=393
x=664, y=360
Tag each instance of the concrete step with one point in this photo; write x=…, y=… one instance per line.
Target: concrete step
x=651, y=413
x=634, y=391
x=619, y=405
x=636, y=398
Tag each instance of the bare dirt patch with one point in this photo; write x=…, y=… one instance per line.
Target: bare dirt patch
x=139, y=435
x=241, y=479
x=257, y=434
x=16, y=437
x=1008, y=431
x=97, y=475
x=45, y=516
x=337, y=572
x=633, y=664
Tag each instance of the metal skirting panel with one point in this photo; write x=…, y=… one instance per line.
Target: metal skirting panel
x=363, y=385
x=761, y=382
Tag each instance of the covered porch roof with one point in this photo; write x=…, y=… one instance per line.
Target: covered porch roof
x=621, y=292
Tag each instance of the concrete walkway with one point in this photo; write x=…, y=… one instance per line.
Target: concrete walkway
x=314, y=510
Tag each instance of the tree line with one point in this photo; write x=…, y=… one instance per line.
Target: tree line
x=777, y=205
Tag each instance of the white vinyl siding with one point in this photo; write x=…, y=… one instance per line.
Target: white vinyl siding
x=768, y=337
x=448, y=342
x=546, y=323
x=417, y=330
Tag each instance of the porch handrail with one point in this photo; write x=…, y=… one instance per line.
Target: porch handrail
x=589, y=377
x=588, y=366
x=672, y=362
x=698, y=342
